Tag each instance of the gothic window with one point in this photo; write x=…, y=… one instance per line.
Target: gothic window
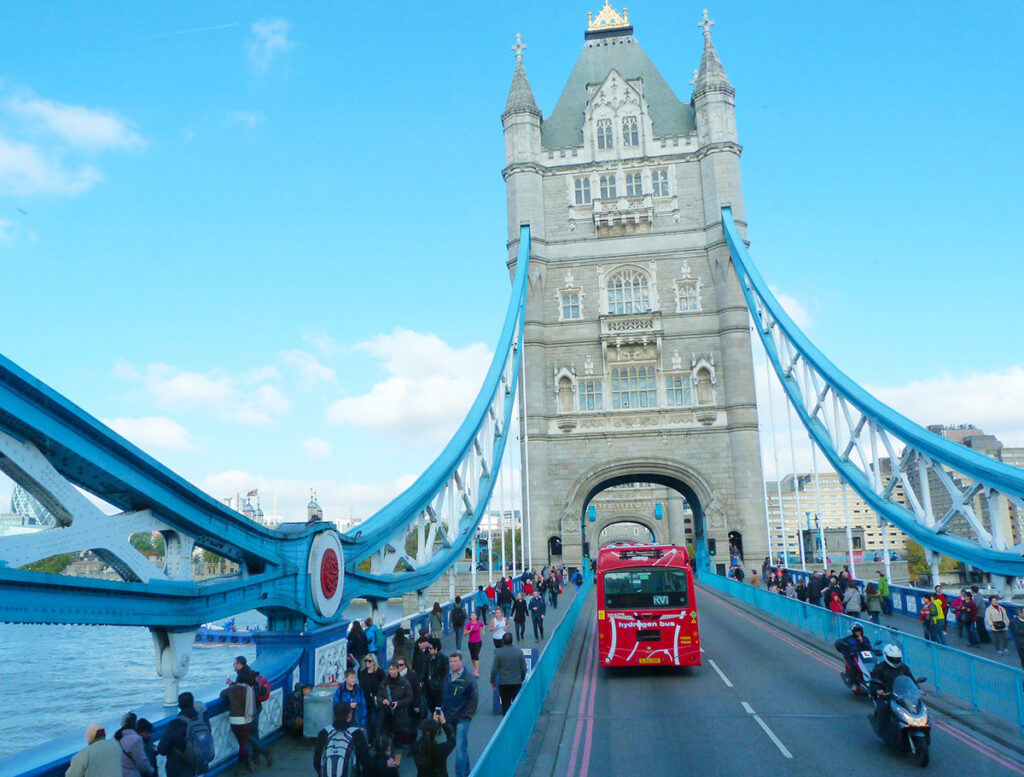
x=564, y=394
x=687, y=296
x=633, y=387
x=570, y=305
x=704, y=393
x=608, y=187
x=679, y=389
x=630, y=135
x=634, y=185
x=590, y=394
x=582, y=190
x=659, y=182
x=628, y=292
x=604, y=133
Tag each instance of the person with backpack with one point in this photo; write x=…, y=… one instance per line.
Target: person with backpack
x=188, y=741
x=261, y=692
x=480, y=602
x=241, y=712
x=342, y=749
x=459, y=618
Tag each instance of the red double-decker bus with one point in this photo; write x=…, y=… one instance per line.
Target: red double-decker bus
x=646, y=609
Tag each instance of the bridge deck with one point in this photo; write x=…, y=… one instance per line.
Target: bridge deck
x=294, y=757
x=764, y=701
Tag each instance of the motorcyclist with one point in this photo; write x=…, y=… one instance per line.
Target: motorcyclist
x=850, y=646
x=882, y=678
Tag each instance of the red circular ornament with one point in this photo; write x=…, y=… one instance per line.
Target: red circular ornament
x=329, y=573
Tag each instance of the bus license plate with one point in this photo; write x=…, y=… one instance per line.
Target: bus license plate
x=653, y=660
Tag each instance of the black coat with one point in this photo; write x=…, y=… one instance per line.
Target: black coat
x=370, y=683
x=173, y=744
x=436, y=764
x=357, y=644
x=519, y=611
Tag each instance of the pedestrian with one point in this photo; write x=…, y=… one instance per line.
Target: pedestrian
x=737, y=573
x=498, y=627
x=835, y=604
x=755, y=578
x=358, y=646
x=996, y=622
x=943, y=602
x=505, y=598
x=459, y=700
x=851, y=600
x=968, y=616
x=1017, y=632
x=246, y=674
x=431, y=756
x=396, y=700
x=433, y=679
x=528, y=587
x=883, y=590
x=403, y=647
x=291, y=716
x=458, y=619
x=554, y=589
x=480, y=602
x=979, y=620
x=241, y=698
x=927, y=617
x=873, y=601
x=939, y=618
x=134, y=763
x=475, y=630
x=145, y=729
x=416, y=684
x=814, y=587
x=537, y=609
x=371, y=676
x=189, y=724
x=801, y=591
x=421, y=655
x=374, y=636
x=492, y=596
x=508, y=671
x=957, y=607
x=101, y=757
x=437, y=621
x=340, y=745
x=350, y=694
x=519, y=612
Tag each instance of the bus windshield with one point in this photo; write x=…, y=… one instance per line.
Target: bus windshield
x=644, y=587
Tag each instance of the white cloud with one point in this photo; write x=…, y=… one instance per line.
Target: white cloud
x=7, y=230
x=251, y=119
x=82, y=127
x=153, y=432
x=317, y=449
x=231, y=397
x=311, y=370
x=270, y=38
x=324, y=343
x=794, y=308
x=289, y=497
x=25, y=170
x=429, y=387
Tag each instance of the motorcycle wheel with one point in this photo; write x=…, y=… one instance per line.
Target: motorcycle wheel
x=921, y=755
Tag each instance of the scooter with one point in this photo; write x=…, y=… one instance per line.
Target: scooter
x=864, y=661
x=903, y=723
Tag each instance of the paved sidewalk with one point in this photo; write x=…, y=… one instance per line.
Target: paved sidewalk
x=294, y=757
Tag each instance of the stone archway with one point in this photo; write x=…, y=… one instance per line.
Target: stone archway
x=705, y=502
x=658, y=531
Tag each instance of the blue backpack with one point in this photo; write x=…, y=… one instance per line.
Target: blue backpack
x=199, y=751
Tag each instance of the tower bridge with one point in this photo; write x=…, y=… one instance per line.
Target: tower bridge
x=627, y=345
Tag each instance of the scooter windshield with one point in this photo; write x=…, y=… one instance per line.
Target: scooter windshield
x=907, y=694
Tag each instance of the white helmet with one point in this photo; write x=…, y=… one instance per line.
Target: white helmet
x=893, y=654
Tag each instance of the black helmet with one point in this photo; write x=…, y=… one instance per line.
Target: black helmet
x=856, y=628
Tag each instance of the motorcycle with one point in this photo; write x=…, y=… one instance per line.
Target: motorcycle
x=904, y=720
x=864, y=661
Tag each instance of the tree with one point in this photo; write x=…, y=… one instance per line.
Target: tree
x=53, y=565
x=149, y=543
x=917, y=563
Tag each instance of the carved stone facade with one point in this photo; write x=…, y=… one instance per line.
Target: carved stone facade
x=650, y=379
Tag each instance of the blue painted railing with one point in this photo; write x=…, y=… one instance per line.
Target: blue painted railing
x=985, y=685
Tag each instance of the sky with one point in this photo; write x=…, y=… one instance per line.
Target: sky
x=266, y=241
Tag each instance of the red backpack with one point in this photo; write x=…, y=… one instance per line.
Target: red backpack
x=262, y=688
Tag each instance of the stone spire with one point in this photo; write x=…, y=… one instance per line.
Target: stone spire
x=520, y=95
x=711, y=75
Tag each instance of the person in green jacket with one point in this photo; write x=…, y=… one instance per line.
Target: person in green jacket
x=883, y=590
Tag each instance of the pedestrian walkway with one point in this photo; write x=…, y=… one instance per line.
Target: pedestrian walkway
x=294, y=757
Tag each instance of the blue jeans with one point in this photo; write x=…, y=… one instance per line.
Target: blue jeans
x=462, y=748
x=459, y=633
x=938, y=632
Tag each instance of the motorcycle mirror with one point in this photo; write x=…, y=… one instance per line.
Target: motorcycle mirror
x=920, y=680
x=877, y=652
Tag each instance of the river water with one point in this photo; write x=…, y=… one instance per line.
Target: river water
x=56, y=680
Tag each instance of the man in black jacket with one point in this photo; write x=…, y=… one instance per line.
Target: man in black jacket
x=882, y=678
x=173, y=743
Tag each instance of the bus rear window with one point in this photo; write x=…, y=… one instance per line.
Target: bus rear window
x=644, y=587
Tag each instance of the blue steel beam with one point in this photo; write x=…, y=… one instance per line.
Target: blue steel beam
x=860, y=425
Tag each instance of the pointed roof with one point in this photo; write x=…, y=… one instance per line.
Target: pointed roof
x=711, y=75
x=520, y=95
x=604, y=51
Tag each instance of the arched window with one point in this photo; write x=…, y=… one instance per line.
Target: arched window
x=564, y=395
x=630, y=135
x=633, y=387
x=570, y=305
x=704, y=393
x=628, y=292
x=604, y=133
x=607, y=187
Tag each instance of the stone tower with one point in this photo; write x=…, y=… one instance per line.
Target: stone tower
x=637, y=348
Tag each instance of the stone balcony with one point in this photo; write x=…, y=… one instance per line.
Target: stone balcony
x=621, y=215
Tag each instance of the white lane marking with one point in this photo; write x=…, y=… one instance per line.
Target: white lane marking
x=771, y=734
x=722, y=675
